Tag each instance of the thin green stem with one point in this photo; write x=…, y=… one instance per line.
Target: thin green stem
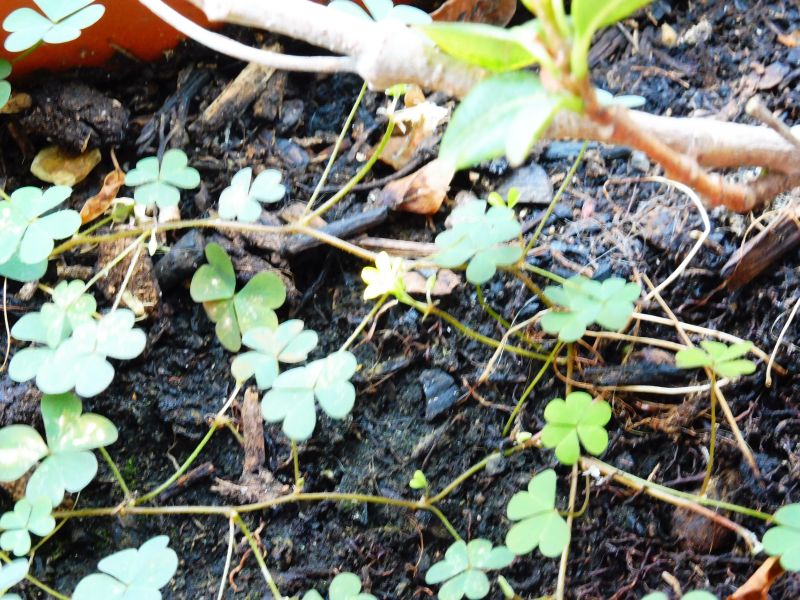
x=364, y=322
x=183, y=468
x=259, y=557
x=115, y=471
x=336, y=147
x=712, y=443
x=531, y=385
x=447, y=525
x=471, y=333
x=298, y=480
x=561, y=583
x=362, y=172
x=96, y=226
x=544, y=273
x=564, y=184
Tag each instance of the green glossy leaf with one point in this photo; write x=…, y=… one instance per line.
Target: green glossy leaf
x=215, y=280
x=21, y=447
x=579, y=418
x=255, y=302
x=493, y=48
x=482, y=123
x=588, y=16
x=227, y=329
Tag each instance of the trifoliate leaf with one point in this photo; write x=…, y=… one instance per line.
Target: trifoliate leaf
x=292, y=397
x=29, y=228
x=583, y=301
x=577, y=421
x=539, y=523
x=241, y=200
x=131, y=574
x=62, y=22
x=464, y=567
x=725, y=360
x=478, y=236
x=381, y=10
x=29, y=516
x=159, y=183
x=345, y=586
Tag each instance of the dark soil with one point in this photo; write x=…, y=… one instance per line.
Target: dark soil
x=624, y=543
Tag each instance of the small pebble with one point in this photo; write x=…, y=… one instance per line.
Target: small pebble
x=533, y=184
x=440, y=391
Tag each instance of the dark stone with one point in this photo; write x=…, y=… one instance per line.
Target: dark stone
x=533, y=184
x=291, y=115
x=293, y=156
x=440, y=391
x=182, y=260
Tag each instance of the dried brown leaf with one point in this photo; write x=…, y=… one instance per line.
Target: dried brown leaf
x=423, y=191
x=757, y=587
x=99, y=203
x=493, y=12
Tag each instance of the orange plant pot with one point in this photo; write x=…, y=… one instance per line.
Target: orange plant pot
x=126, y=26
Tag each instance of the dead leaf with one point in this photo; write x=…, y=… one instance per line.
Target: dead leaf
x=99, y=203
x=417, y=124
x=492, y=12
x=60, y=167
x=16, y=104
x=757, y=587
x=423, y=191
x=417, y=283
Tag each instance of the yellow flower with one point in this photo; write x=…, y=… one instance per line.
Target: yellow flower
x=384, y=278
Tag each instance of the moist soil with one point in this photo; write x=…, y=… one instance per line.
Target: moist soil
x=625, y=544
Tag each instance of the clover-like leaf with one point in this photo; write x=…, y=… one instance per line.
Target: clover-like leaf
x=294, y=394
x=214, y=284
x=29, y=233
x=418, y=481
x=289, y=343
x=17, y=270
x=61, y=22
x=345, y=586
x=382, y=10
x=578, y=421
x=784, y=538
x=10, y=575
x=28, y=516
x=241, y=200
x=539, y=523
x=159, y=183
x=724, y=360
x=464, y=569
x=5, y=86
x=479, y=236
x=584, y=301
x=68, y=464
x=80, y=363
x=56, y=320
x=131, y=574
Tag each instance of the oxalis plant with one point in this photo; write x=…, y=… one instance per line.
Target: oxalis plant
x=73, y=341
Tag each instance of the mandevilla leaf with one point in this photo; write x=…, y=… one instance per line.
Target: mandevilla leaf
x=539, y=523
x=588, y=16
x=487, y=46
x=784, y=538
x=577, y=421
x=345, y=586
x=158, y=183
x=464, y=569
x=503, y=112
x=131, y=574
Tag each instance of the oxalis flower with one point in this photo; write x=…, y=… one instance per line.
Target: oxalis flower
x=386, y=277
